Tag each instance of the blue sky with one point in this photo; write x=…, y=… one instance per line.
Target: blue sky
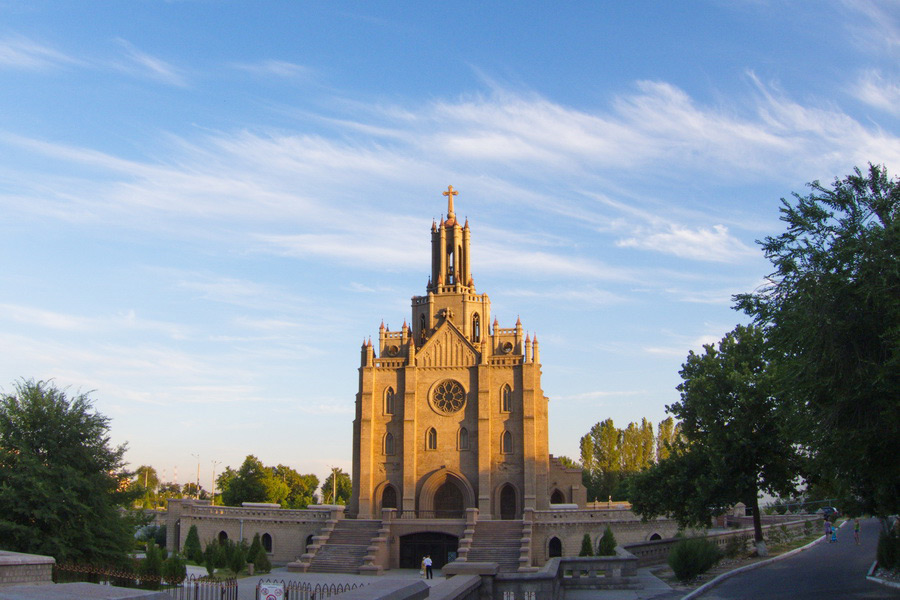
x=207, y=205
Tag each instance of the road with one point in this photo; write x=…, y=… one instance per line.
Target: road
x=822, y=572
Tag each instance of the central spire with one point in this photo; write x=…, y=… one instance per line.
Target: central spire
x=451, y=215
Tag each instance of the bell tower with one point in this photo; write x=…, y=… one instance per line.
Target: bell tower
x=451, y=289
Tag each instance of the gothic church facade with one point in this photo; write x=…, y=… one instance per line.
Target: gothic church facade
x=450, y=412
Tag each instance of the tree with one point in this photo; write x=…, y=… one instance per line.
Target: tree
x=667, y=434
x=192, y=549
x=587, y=548
x=144, y=483
x=60, y=479
x=832, y=310
x=568, y=463
x=736, y=440
x=301, y=488
x=247, y=485
x=607, y=544
x=344, y=488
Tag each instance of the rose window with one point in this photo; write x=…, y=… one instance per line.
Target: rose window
x=448, y=397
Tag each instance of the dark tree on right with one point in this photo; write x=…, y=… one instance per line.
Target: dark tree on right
x=831, y=312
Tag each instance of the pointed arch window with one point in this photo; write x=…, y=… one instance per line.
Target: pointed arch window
x=267, y=542
x=463, y=440
x=506, y=443
x=431, y=439
x=389, y=401
x=505, y=399
x=388, y=444
x=450, y=271
x=476, y=328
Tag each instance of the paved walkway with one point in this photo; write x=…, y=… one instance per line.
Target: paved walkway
x=822, y=572
x=247, y=585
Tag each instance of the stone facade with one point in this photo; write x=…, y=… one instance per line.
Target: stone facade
x=450, y=413
x=288, y=530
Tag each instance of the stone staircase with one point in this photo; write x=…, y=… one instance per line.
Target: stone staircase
x=346, y=547
x=499, y=542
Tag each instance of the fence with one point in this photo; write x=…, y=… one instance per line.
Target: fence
x=301, y=590
x=191, y=588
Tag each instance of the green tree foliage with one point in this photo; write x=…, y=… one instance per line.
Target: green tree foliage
x=568, y=463
x=150, y=569
x=344, y=488
x=257, y=555
x=143, y=484
x=668, y=433
x=693, y=556
x=301, y=488
x=737, y=443
x=607, y=545
x=174, y=569
x=192, y=549
x=255, y=482
x=248, y=483
x=832, y=310
x=236, y=555
x=213, y=556
x=60, y=480
x=587, y=548
x=610, y=455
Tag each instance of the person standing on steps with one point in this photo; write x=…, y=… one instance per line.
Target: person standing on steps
x=428, y=572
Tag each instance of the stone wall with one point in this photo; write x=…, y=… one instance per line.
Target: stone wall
x=288, y=528
x=569, y=526
x=25, y=569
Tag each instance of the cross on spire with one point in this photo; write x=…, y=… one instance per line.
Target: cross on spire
x=450, y=193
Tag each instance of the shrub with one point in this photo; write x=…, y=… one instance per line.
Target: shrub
x=692, y=556
x=192, y=549
x=236, y=556
x=735, y=546
x=213, y=557
x=587, y=548
x=607, y=545
x=255, y=549
x=888, y=553
x=174, y=570
x=150, y=569
x=261, y=563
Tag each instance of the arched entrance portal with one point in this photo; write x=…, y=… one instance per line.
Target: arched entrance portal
x=507, y=502
x=441, y=547
x=448, y=501
x=557, y=497
x=445, y=494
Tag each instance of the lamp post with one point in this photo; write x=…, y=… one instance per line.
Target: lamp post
x=214, y=463
x=197, y=456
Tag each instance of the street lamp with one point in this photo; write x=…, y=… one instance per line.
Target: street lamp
x=197, y=456
x=214, y=463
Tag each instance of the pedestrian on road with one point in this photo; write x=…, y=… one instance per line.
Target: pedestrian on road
x=856, y=530
x=834, y=534
x=428, y=572
x=422, y=567
x=827, y=528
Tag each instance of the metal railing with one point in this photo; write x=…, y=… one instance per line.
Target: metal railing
x=190, y=588
x=304, y=590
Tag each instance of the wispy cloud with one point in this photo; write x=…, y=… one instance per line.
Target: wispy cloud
x=79, y=323
x=18, y=52
x=140, y=63
x=277, y=68
x=878, y=90
x=701, y=243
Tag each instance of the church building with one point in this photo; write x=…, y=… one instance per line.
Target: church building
x=450, y=412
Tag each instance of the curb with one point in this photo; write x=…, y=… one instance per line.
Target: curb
x=714, y=582
x=871, y=577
